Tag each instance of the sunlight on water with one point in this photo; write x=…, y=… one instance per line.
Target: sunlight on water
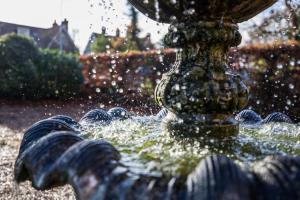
x=145, y=148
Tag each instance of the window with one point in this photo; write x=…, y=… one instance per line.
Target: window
x=23, y=31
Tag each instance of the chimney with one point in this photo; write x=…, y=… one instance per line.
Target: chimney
x=103, y=30
x=54, y=25
x=118, y=32
x=65, y=24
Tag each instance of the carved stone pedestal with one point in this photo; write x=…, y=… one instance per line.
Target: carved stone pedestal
x=199, y=91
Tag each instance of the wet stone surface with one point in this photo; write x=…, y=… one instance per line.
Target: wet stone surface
x=9, y=144
x=119, y=113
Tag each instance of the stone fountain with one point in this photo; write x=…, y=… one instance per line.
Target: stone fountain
x=200, y=95
x=199, y=92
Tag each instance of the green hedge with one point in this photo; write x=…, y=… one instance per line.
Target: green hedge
x=18, y=69
x=30, y=73
x=59, y=74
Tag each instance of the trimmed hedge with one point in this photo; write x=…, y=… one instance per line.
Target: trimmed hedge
x=133, y=73
x=60, y=74
x=18, y=66
x=27, y=72
x=272, y=73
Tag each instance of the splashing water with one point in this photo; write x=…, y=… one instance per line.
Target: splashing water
x=157, y=10
x=145, y=148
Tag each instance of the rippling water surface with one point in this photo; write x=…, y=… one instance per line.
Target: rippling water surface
x=145, y=148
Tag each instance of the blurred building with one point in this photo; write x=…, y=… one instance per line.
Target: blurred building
x=142, y=44
x=55, y=37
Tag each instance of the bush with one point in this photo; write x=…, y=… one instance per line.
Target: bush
x=18, y=70
x=60, y=74
x=31, y=73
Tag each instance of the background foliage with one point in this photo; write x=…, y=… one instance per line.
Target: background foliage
x=282, y=24
x=27, y=72
x=131, y=42
x=272, y=73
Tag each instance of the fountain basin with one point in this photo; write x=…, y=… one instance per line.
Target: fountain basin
x=235, y=11
x=125, y=158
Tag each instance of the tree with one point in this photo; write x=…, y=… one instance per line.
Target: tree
x=133, y=40
x=294, y=18
x=281, y=24
x=102, y=43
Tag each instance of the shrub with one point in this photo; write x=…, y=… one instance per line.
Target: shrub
x=32, y=73
x=60, y=74
x=18, y=70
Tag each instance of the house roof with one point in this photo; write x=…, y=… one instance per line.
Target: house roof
x=53, y=37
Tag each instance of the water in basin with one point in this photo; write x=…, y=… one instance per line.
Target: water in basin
x=145, y=148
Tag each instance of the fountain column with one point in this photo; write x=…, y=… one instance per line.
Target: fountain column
x=199, y=91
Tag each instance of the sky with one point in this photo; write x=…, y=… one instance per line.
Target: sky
x=86, y=16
